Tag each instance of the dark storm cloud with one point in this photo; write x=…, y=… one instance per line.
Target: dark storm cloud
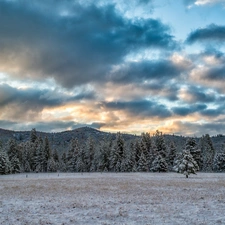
x=143, y=108
x=161, y=70
x=187, y=110
x=200, y=94
x=212, y=32
x=36, y=100
x=31, y=97
x=162, y=89
x=216, y=73
x=79, y=47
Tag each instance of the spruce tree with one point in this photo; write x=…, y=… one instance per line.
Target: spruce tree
x=89, y=153
x=171, y=154
x=72, y=155
x=13, y=154
x=15, y=165
x=117, y=153
x=5, y=167
x=33, y=135
x=52, y=165
x=101, y=156
x=208, y=153
x=160, y=144
x=186, y=164
x=142, y=165
x=219, y=161
x=81, y=166
x=159, y=164
x=192, y=147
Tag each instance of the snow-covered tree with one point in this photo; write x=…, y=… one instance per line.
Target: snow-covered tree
x=15, y=165
x=5, y=166
x=55, y=155
x=89, y=153
x=81, y=166
x=142, y=165
x=160, y=144
x=101, y=157
x=117, y=153
x=171, y=154
x=52, y=165
x=219, y=162
x=208, y=153
x=159, y=164
x=192, y=147
x=72, y=155
x=13, y=154
x=33, y=135
x=186, y=164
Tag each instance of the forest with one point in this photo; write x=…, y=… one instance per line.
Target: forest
x=111, y=153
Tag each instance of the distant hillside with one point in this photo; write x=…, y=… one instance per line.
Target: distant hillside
x=60, y=140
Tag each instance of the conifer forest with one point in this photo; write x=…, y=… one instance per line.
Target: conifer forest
x=111, y=153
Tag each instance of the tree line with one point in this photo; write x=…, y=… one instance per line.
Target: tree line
x=144, y=154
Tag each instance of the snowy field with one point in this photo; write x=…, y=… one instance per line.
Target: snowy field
x=110, y=198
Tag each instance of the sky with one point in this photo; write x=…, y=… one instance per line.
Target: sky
x=131, y=66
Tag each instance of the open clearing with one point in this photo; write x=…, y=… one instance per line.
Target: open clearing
x=112, y=198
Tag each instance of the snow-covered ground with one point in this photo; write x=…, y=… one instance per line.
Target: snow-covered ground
x=112, y=198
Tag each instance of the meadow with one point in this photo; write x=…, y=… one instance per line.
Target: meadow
x=112, y=198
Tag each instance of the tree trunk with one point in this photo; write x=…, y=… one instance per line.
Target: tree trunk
x=186, y=176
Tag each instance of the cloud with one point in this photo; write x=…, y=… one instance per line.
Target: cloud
x=191, y=3
x=196, y=94
x=139, y=108
x=28, y=103
x=184, y=111
x=75, y=46
x=212, y=32
x=146, y=70
x=198, y=129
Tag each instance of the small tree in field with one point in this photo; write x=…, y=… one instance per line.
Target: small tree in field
x=186, y=164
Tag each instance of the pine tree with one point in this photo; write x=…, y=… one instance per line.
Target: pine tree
x=55, y=156
x=25, y=161
x=39, y=156
x=72, y=155
x=172, y=154
x=101, y=156
x=137, y=151
x=89, y=153
x=159, y=164
x=219, y=161
x=186, y=164
x=52, y=165
x=63, y=162
x=33, y=135
x=47, y=154
x=5, y=167
x=142, y=163
x=80, y=164
x=192, y=147
x=160, y=144
x=131, y=165
x=15, y=165
x=117, y=154
x=12, y=149
x=145, y=150
x=208, y=153
x=13, y=154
